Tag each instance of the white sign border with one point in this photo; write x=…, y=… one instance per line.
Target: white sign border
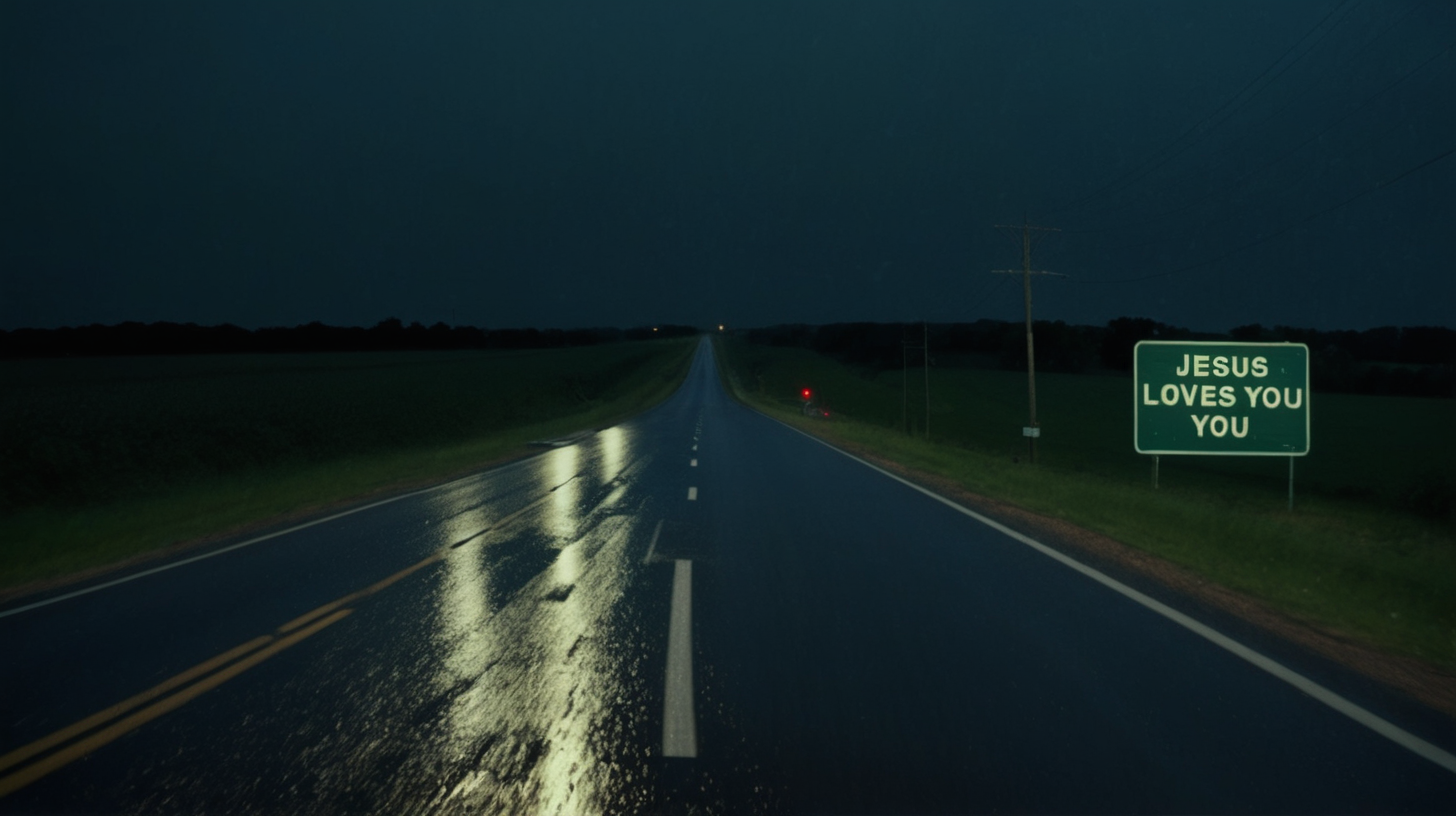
x=1307, y=396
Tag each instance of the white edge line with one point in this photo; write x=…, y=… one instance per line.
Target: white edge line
x=174, y=564
x=652, y=548
x=1383, y=727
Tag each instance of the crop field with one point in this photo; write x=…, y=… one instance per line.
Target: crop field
x=1369, y=551
x=103, y=458
x=1385, y=451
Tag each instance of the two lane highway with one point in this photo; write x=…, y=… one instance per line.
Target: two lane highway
x=699, y=610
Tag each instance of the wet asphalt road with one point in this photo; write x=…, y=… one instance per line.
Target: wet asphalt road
x=500, y=644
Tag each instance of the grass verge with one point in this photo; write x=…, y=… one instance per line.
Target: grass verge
x=1365, y=572
x=198, y=489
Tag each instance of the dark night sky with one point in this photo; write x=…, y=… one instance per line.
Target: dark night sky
x=612, y=163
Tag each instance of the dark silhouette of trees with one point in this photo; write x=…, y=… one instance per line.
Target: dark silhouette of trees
x=1410, y=361
x=390, y=334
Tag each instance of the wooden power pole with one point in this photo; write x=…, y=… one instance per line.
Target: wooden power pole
x=905, y=346
x=1032, y=430
x=925, y=344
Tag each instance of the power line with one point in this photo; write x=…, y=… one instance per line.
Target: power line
x=983, y=293
x=1322, y=75
x=1286, y=154
x=1326, y=74
x=1382, y=185
x=1197, y=126
x=1364, y=148
x=1225, y=118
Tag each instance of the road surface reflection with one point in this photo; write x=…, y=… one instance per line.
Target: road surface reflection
x=545, y=702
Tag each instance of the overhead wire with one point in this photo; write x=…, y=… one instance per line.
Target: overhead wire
x=1155, y=163
x=1242, y=98
x=1325, y=74
x=984, y=292
x=1290, y=226
x=1231, y=183
x=996, y=287
x=1235, y=181
x=1227, y=116
x=1328, y=166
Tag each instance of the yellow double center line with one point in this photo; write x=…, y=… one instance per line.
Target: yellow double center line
x=175, y=691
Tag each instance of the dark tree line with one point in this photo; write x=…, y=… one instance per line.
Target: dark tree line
x=387, y=335
x=1410, y=361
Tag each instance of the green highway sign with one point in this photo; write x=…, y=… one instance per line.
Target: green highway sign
x=1221, y=399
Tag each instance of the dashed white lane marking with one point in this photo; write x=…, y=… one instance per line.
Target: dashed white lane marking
x=692, y=494
x=695, y=447
x=693, y=463
x=679, y=726
x=652, y=548
x=1375, y=723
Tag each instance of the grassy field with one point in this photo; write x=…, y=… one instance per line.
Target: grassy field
x=1366, y=552
x=105, y=458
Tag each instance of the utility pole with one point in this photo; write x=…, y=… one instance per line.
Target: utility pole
x=1032, y=430
x=905, y=347
x=905, y=381
x=925, y=344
